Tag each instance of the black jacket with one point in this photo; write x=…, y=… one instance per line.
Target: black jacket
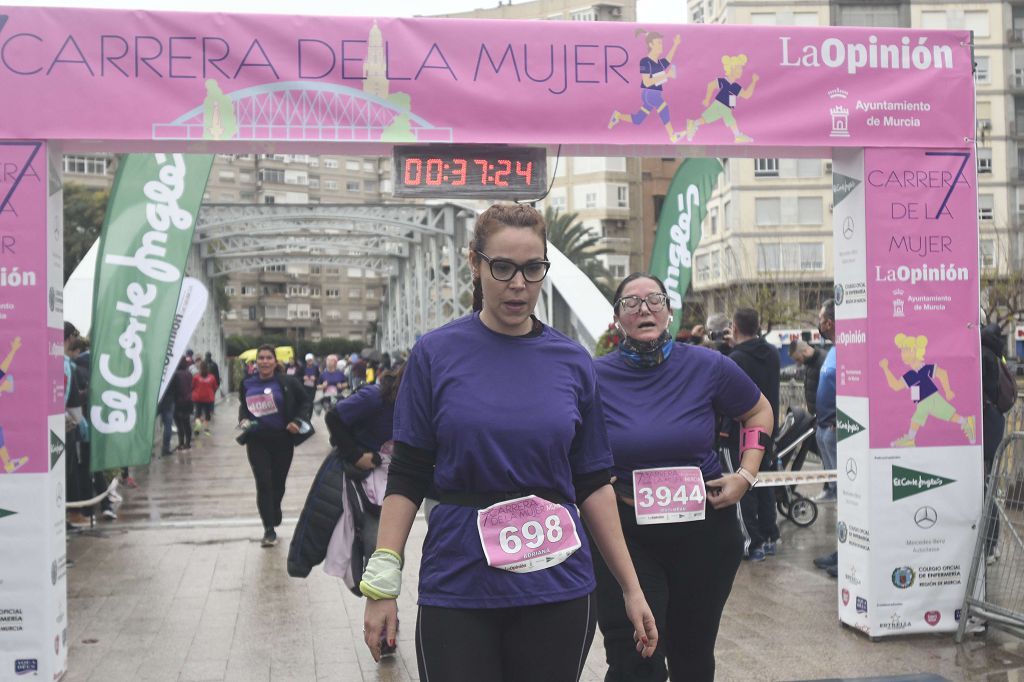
x=297, y=404
x=759, y=360
x=812, y=371
x=992, y=350
x=320, y=514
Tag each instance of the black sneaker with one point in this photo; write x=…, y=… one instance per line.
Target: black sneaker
x=827, y=560
x=269, y=538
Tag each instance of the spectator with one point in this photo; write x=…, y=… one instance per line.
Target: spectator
x=718, y=334
x=993, y=421
x=759, y=360
x=215, y=371
x=181, y=384
x=826, y=415
x=357, y=372
x=204, y=392
x=165, y=409
x=310, y=377
x=812, y=359
x=78, y=479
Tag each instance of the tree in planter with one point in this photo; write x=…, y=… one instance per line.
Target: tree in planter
x=581, y=246
x=1002, y=284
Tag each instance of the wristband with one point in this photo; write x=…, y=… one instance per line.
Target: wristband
x=382, y=577
x=747, y=476
x=754, y=438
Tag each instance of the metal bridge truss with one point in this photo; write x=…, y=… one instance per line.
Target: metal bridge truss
x=420, y=249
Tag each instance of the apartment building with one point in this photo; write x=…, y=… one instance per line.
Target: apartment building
x=770, y=220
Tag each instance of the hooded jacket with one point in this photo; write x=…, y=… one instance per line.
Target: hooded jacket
x=759, y=360
x=992, y=350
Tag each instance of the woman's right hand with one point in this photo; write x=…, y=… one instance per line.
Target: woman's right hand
x=365, y=461
x=380, y=621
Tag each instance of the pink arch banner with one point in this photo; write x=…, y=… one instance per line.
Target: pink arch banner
x=190, y=82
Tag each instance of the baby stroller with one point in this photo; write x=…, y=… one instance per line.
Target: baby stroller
x=791, y=446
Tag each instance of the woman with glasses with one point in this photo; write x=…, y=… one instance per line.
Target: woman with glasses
x=677, y=508
x=502, y=413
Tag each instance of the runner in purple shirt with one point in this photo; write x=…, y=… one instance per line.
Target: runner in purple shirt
x=661, y=400
x=503, y=414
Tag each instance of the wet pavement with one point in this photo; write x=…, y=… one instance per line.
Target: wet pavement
x=178, y=588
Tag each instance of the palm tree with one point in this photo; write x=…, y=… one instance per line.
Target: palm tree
x=581, y=246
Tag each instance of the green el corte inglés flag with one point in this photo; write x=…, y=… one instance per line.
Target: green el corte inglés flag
x=143, y=248
x=679, y=228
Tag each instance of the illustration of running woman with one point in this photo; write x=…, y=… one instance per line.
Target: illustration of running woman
x=725, y=101
x=920, y=379
x=654, y=73
x=7, y=464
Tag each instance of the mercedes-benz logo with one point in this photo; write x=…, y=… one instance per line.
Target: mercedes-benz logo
x=848, y=227
x=851, y=469
x=926, y=517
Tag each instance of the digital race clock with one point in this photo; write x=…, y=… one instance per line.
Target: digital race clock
x=469, y=171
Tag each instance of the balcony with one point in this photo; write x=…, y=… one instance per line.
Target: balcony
x=1015, y=36
x=275, y=277
x=1015, y=128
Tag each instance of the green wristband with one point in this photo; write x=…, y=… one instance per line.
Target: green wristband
x=382, y=578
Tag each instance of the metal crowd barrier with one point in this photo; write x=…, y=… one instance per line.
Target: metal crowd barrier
x=995, y=584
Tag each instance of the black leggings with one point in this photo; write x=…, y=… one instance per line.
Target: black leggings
x=686, y=572
x=270, y=456
x=542, y=643
x=183, y=420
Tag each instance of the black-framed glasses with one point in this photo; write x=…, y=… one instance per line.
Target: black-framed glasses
x=504, y=270
x=631, y=304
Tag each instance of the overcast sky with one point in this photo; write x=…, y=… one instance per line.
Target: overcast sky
x=654, y=11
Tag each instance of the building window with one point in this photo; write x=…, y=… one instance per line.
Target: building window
x=987, y=253
x=230, y=290
x=977, y=21
x=703, y=263
x=314, y=183
x=314, y=314
x=314, y=162
x=986, y=203
x=727, y=216
x=557, y=202
x=226, y=176
x=869, y=15
x=355, y=293
x=713, y=220
x=590, y=200
x=768, y=258
x=330, y=184
x=333, y=292
x=808, y=210
x=251, y=312
x=622, y=196
x=768, y=211
x=370, y=186
x=248, y=291
x=85, y=165
x=330, y=163
x=272, y=175
x=984, y=160
x=352, y=186
x=812, y=257
x=766, y=168
x=981, y=72
x=352, y=165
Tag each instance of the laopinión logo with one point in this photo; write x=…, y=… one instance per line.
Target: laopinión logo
x=907, y=482
x=842, y=531
x=903, y=577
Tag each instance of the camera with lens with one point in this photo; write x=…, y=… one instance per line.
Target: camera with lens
x=719, y=335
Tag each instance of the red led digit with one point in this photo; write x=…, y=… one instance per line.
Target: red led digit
x=410, y=164
x=483, y=169
x=459, y=168
x=500, y=175
x=435, y=166
x=526, y=173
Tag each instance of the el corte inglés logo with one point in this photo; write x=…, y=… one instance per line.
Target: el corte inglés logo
x=846, y=426
x=56, y=448
x=6, y=512
x=907, y=482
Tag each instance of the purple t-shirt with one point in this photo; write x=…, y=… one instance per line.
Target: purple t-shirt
x=332, y=378
x=368, y=415
x=665, y=416
x=922, y=378
x=727, y=92
x=649, y=67
x=504, y=414
x=265, y=401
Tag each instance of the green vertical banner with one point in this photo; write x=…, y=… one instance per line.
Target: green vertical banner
x=679, y=228
x=143, y=249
